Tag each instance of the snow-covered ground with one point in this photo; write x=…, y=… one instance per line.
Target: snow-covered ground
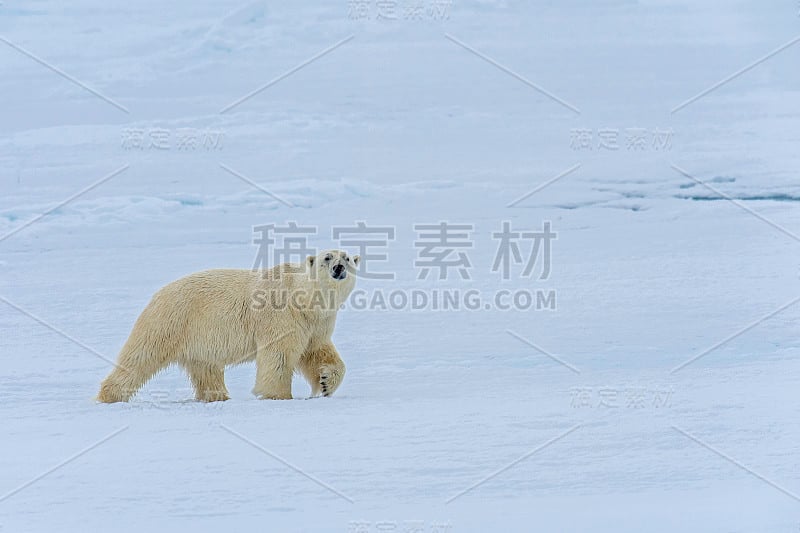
x=661, y=392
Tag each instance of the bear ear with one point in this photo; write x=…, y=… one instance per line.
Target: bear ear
x=356, y=260
x=310, y=260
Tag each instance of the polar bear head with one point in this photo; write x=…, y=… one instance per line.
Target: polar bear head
x=333, y=266
x=333, y=274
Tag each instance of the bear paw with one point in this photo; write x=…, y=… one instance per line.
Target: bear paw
x=329, y=379
x=212, y=396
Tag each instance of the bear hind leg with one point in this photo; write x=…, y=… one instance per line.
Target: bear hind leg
x=130, y=375
x=208, y=382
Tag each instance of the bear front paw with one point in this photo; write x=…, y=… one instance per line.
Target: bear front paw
x=329, y=379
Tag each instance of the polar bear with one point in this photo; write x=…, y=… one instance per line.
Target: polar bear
x=282, y=318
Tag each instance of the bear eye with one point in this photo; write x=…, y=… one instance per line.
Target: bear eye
x=327, y=257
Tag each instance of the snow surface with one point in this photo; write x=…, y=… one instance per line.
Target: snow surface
x=399, y=125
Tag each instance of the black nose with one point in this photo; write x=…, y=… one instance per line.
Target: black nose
x=338, y=269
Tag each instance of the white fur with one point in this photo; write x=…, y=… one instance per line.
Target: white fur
x=213, y=319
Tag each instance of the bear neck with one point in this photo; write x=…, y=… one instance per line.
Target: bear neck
x=322, y=298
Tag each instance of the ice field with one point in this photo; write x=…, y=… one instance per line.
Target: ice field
x=656, y=391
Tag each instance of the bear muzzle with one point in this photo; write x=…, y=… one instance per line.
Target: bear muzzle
x=339, y=272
